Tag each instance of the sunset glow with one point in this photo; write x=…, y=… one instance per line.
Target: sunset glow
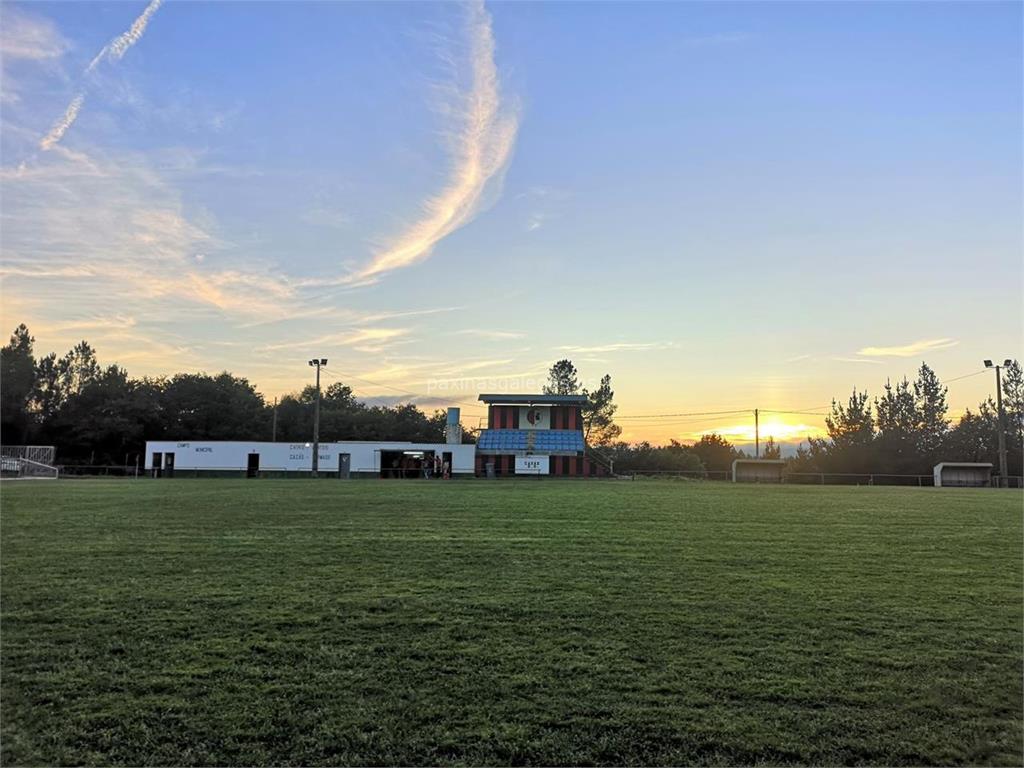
x=451, y=204
x=778, y=430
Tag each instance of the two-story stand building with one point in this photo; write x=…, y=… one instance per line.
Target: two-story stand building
x=534, y=435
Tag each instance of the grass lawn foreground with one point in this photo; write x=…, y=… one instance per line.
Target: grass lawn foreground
x=512, y=622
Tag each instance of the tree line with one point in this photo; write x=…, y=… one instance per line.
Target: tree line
x=100, y=415
x=907, y=430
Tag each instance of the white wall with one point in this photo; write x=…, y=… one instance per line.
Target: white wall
x=296, y=457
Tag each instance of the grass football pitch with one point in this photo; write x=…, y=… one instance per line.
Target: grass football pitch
x=523, y=622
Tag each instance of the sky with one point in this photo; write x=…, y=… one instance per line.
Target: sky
x=725, y=206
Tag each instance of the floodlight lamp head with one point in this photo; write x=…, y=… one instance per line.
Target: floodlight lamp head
x=988, y=363
x=1007, y=362
x=323, y=361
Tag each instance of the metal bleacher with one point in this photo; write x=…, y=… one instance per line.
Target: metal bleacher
x=502, y=440
x=558, y=440
x=543, y=440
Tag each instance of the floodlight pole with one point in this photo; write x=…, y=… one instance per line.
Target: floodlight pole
x=757, y=435
x=317, y=363
x=1004, y=479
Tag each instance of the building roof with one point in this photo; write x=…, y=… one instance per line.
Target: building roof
x=535, y=399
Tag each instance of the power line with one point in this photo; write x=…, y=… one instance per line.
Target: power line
x=797, y=413
x=681, y=423
x=807, y=412
x=694, y=413
x=965, y=376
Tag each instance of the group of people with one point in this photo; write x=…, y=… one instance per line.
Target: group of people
x=408, y=466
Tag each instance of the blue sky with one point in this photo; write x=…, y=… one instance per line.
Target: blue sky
x=723, y=205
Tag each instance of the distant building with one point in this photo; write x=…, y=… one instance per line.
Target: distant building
x=390, y=459
x=534, y=435
x=757, y=470
x=962, y=474
x=525, y=435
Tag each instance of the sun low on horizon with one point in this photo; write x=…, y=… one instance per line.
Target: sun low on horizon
x=724, y=211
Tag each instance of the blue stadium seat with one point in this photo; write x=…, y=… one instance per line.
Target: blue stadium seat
x=561, y=440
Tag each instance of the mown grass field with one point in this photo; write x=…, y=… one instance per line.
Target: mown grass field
x=303, y=622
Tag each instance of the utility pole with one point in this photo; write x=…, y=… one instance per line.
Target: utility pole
x=273, y=431
x=757, y=434
x=1003, y=479
x=317, y=363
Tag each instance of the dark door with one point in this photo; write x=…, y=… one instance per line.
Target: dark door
x=446, y=461
x=344, y=465
x=158, y=463
x=252, y=469
x=168, y=465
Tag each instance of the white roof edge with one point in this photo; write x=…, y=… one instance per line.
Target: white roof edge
x=310, y=442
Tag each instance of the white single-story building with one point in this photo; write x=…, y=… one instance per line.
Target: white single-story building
x=963, y=474
x=192, y=458
x=757, y=470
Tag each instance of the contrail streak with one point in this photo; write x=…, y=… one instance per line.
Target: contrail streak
x=117, y=47
x=61, y=126
x=114, y=50
x=483, y=146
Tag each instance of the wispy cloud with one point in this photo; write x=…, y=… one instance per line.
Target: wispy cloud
x=102, y=227
x=485, y=334
x=374, y=317
x=114, y=51
x=482, y=148
x=363, y=339
x=34, y=38
x=94, y=323
x=857, y=360
x=617, y=347
x=909, y=350
x=29, y=45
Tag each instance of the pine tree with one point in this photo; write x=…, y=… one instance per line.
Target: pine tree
x=599, y=415
x=931, y=409
x=851, y=431
x=17, y=381
x=562, y=379
x=896, y=446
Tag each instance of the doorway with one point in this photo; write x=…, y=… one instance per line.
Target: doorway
x=168, y=465
x=252, y=469
x=158, y=459
x=344, y=465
